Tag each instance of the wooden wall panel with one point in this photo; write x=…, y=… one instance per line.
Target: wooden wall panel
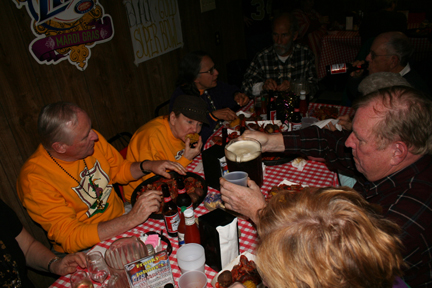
x=117, y=94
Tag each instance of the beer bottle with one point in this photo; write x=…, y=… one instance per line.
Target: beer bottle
x=343, y=68
x=183, y=199
x=242, y=124
x=170, y=212
x=224, y=136
x=181, y=228
x=271, y=109
x=263, y=114
x=192, y=234
x=257, y=103
x=303, y=103
x=296, y=120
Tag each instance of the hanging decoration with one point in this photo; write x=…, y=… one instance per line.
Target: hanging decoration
x=66, y=30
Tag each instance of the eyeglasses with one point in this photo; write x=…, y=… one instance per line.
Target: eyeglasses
x=210, y=71
x=374, y=55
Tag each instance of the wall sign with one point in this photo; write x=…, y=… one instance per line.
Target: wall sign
x=66, y=29
x=155, y=27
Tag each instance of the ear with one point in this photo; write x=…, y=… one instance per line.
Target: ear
x=59, y=147
x=394, y=61
x=400, y=152
x=295, y=36
x=172, y=118
x=197, y=78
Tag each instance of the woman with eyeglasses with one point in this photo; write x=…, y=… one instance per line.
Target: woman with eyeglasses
x=198, y=76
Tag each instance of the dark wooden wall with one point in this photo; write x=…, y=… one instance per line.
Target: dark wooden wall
x=117, y=94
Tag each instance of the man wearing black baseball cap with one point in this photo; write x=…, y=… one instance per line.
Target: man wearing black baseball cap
x=169, y=137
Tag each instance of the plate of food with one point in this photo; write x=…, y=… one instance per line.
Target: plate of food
x=241, y=117
x=267, y=126
x=242, y=269
x=325, y=112
x=285, y=185
x=276, y=158
x=195, y=186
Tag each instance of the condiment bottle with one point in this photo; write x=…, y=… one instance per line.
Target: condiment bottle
x=343, y=68
x=303, y=103
x=170, y=212
x=183, y=199
x=192, y=234
x=296, y=120
x=181, y=228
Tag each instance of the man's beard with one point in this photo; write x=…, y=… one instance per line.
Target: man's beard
x=281, y=50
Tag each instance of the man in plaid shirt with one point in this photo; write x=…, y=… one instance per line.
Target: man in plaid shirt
x=275, y=67
x=390, y=156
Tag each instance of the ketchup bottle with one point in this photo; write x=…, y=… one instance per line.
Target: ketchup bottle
x=192, y=234
x=170, y=212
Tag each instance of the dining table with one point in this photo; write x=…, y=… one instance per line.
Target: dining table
x=343, y=47
x=314, y=174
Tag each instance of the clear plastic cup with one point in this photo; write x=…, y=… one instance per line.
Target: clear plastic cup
x=191, y=257
x=237, y=177
x=193, y=279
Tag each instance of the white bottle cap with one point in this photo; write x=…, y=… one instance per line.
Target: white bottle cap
x=302, y=95
x=188, y=213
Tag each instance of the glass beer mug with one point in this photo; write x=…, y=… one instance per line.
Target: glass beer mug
x=245, y=155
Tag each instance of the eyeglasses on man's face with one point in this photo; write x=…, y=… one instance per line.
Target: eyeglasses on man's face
x=374, y=55
x=210, y=71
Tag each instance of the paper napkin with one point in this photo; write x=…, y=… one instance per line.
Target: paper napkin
x=246, y=114
x=228, y=239
x=299, y=163
x=324, y=123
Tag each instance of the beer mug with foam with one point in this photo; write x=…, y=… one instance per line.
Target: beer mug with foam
x=245, y=155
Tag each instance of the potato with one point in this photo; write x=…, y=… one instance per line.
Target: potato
x=199, y=191
x=194, y=197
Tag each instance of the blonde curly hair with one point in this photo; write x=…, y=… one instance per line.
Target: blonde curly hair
x=331, y=237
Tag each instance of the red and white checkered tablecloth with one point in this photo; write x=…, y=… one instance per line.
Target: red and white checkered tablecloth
x=314, y=174
x=343, y=47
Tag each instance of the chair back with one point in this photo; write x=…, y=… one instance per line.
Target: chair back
x=120, y=141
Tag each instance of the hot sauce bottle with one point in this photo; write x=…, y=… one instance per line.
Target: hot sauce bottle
x=181, y=228
x=192, y=234
x=170, y=212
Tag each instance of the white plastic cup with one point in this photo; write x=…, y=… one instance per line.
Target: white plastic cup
x=193, y=279
x=191, y=257
x=237, y=177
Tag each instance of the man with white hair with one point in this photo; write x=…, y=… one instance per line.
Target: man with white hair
x=390, y=52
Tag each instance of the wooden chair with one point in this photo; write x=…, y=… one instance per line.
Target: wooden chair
x=160, y=106
x=120, y=141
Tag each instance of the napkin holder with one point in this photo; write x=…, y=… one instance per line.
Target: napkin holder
x=210, y=236
x=212, y=165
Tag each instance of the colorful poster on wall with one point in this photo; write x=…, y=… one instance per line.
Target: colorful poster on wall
x=66, y=29
x=155, y=27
